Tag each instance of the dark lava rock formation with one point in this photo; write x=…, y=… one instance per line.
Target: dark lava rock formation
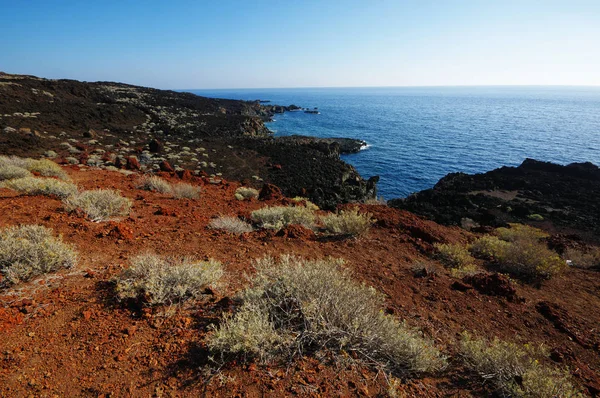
x=537, y=193
x=105, y=124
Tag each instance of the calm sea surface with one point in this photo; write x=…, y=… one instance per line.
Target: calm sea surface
x=418, y=135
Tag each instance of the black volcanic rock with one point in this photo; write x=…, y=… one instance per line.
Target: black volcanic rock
x=168, y=130
x=534, y=192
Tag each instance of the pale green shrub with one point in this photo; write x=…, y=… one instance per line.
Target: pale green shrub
x=185, y=191
x=457, y=258
x=296, y=306
x=47, y=168
x=43, y=167
x=99, y=204
x=348, y=222
x=230, y=224
x=10, y=172
x=158, y=280
x=41, y=186
x=154, y=183
x=519, y=252
x=27, y=251
x=278, y=217
x=307, y=203
x=246, y=193
x=515, y=370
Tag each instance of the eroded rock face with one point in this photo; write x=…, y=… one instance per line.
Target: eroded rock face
x=534, y=192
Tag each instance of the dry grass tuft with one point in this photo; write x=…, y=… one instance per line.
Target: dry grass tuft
x=185, y=191
x=278, y=217
x=156, y=280
x=99, y=204
x=297, y=306
x=230, y=224
x=155, y=184
x=41, y=186
x=348, y=222
x=246, y=193
x=515, y=370
x=27, y=251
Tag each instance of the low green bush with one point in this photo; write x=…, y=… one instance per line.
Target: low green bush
x=230, y=224
x=515, y=370
x=155, y=184
x=41, y=186
x=156, y=280
x=99, y=204
x=519, y=251
x=10, y=172
x=246, y=193
x=297, y=306
x=277, y=217
x=28, y=251
x=348, y=222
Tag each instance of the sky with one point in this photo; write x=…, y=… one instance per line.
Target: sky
x=267, y=44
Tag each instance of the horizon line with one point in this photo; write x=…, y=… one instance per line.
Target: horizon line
x=401, y=86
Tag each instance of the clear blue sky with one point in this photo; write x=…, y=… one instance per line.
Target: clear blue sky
x=253, y=43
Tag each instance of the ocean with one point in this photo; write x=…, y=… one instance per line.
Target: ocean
x=415, y=136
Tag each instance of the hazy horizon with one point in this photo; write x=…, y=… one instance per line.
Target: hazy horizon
x=243, y=45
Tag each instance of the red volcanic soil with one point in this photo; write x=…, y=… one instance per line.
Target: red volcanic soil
x=65, y=335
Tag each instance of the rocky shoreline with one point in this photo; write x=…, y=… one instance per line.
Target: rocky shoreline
x=106, y=124
x=552, y=196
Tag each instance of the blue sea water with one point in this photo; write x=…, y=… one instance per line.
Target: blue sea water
x=416, y=136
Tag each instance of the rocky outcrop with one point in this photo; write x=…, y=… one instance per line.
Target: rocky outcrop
x=340, y=145
x=314, y=170
x=534, y=192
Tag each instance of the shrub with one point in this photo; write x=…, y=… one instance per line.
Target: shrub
x=10, y=172
x=245, y=193
x=583, y=259
x=99, y=204
x=43, y=167
x=454, y=255
x=348, y=222
x=297, y=306
x=489, y=246
x=158, y=280
x=307, y=203
x=515, y=370
x=278, y=217
x=519, y=252
x=520, y=232
x=47, y=168
x=41, y=186
x=27, y=251
x=154, y=183
x=185, y=191
x=230, y=224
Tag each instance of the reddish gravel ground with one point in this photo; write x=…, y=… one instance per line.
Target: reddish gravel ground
x=64, y=334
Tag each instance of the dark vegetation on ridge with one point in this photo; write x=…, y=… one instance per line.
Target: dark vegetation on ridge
x=110, y=123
